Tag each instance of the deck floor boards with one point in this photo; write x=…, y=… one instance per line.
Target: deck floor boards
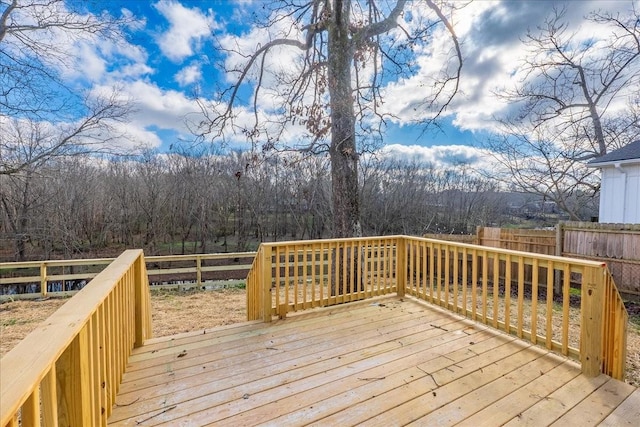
x=387, y=361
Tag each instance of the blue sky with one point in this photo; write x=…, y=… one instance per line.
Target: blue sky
x=170, y=53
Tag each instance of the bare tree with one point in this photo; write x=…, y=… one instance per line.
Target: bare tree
x=345, y=50
x=35, y=39
x=570, y=106
x=27, y=143
x=414, y=197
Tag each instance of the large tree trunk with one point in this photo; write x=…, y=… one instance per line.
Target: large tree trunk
x=343, y=153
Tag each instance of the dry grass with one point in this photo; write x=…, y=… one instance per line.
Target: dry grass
x=176, y=312
x=173, y=312
x=18, y=318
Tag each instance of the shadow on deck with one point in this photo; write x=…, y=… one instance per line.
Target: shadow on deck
x=384, y=361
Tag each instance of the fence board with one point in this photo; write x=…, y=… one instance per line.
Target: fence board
x=616, y=244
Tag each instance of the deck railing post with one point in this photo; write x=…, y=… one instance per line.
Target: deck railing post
x=401, y=265
x=142, y=303
x=265, y=283
x=591, y=331
x=199, y=271
x=43, y=279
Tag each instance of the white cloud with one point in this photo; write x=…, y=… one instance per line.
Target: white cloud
x=133, y=137
x=154, y=109
x=101, y=60
x=89, y=63
x=164, y=109
x=187, y=29
x=488, y=31
x=279, y=61
x=442, y=156
x=490, y=34
x=188, y=75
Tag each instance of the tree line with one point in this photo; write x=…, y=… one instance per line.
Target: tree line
x=81, y=206
x=60, y=195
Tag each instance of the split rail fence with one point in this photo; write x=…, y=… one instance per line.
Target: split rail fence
x=39, y=279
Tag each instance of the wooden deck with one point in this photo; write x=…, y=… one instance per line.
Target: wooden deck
x=378, y=362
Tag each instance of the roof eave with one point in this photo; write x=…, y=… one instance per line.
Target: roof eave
x=612, y=163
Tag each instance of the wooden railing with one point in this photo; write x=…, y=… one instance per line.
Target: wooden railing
x=68, y=370
x=488, y=285
x=292, y=276
x=189, y=270
x=587, y=321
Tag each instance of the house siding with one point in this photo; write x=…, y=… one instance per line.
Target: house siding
x=620, y=194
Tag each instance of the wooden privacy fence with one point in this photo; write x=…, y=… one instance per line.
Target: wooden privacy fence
x=485, y=284
x=68, y=370
x=616, y=244
x=536, y=241
x=182, y=271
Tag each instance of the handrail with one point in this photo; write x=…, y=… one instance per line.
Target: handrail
x=197, y=271
x=68, y=370
x=490, y=285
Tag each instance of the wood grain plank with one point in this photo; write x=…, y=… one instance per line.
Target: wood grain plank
x=234, y=387
x=257, y=348
x=515, y=403
x=378, y=369
x=328, y=404
x=627, y=414
x=597, y=406
x=166, y=354
x=411, y=401
x=485, y=396
x=548, y=410
x=391, y=362
x=379, y=338
x=256, y=327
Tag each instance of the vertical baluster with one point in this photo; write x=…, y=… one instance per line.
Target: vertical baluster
x=485, y=290
x=413, y=266
x=287, y=279
x=456, y=278
x=474, y=283
x=296, y=276
x=507, y=294
x=352, y=270
x=566, y=285
x=439, y=274
x=49, y=398
x=105, y=408
x=31, y=409
x=520, y=295
x=549, y=318
x=465, y=279
x=496, y=288
x=324, y=277
x=447, y=274
x=72, y=371
x=277, y=250
x=534, y=301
